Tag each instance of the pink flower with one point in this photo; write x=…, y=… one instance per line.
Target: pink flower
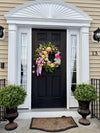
x=53, y=49
x=37, y=63
x=47, y=50
x=39, y=47
x=42, y=48
x=46, y=55
x=40, y=53
x=48, y=62
x=41, y=59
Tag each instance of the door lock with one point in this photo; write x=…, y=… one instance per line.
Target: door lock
x=33, y=71
x=33, y=66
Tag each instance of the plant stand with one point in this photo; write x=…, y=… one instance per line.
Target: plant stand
x=84, y=111
x=11, y=115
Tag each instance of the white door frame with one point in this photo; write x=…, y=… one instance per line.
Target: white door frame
x=69, y=31
x=49, y=18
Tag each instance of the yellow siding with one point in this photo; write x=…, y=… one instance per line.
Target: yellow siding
x=91, y=7
x=6, y=6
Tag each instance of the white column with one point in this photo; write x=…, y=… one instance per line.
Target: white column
x=84, y=55
x=12, y=55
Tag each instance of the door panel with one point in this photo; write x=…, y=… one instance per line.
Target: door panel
x=49, y=90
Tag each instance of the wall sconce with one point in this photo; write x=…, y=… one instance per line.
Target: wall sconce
x=2, y=65
x=2, y=33
x=96, y=35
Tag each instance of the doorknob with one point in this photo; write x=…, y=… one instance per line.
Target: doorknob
x=33, y=71
x=33, y=66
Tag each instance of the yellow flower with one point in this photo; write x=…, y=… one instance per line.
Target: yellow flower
x=46, y=59
x=41, y=45
x=49, y=42
x=40, y=65
x=45, y=52
x=49, y=48
x=52, y=65
x=43, y=56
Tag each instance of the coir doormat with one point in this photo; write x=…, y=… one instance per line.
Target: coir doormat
x=53, y=124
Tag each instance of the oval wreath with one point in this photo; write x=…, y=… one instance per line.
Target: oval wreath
x=42, y=58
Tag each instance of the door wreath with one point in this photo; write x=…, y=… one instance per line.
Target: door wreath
x=43, y=58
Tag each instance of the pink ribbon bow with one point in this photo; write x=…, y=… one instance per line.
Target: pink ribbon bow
x=57, y=56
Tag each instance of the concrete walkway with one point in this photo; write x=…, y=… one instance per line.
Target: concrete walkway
x=23, y=127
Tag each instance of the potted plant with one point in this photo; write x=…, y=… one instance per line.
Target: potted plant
x=84, y=93
x=11, y=97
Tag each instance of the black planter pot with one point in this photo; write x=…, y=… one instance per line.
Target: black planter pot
x=84, y=111
x=11, y=115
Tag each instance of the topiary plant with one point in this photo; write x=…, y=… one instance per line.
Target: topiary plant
x=11, y=96
x=85, y=92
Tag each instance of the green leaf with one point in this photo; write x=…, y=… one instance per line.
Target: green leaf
x=85, y=92
x=11, y=96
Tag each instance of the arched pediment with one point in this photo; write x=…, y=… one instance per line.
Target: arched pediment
x=47, y=9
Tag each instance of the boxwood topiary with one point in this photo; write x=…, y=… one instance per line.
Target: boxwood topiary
x=85, y=92
x=11, y=96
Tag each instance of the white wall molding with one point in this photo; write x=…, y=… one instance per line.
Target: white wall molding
x=84, y=55
x=12, y=54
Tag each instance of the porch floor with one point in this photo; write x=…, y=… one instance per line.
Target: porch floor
x=24, y=125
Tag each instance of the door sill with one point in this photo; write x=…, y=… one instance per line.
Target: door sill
x=44, y=113
x=49, y=109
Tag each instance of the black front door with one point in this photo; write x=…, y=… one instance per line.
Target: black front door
x=49, y=90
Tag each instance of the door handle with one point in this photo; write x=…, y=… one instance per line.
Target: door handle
x=33, y=72
x=33, y=66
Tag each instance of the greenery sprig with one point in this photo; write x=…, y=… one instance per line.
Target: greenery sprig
x=12, y=96
x=85, y=92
